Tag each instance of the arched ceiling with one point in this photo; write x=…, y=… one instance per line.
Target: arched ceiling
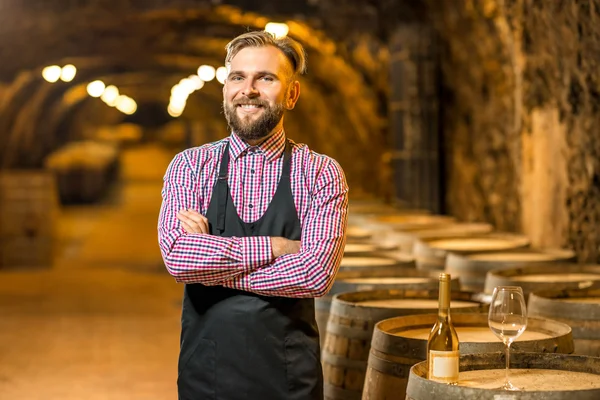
x=145, y=50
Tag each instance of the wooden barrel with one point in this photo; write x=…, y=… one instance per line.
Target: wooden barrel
x=408, y=222
x=406, y=240
x=375, y=263
x=360, y=273
x=362, y=267
x=472, y=268
x=430, y=254
x=399, y=343
x=578, y=308
x=539, y=375
x=372, y=206
x=366, y=249
x=350, y=327
x=28, y=213
x=357, y=234
x=544, y=276
x=361, y=215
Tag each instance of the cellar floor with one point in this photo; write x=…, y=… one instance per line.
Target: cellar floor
x=103, y=321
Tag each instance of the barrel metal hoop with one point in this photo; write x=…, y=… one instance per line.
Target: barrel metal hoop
x=348, y=332
x=333, y=359
x=388, y=367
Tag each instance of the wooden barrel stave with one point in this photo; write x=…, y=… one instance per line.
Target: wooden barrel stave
x=582, y=317
x=420, y=388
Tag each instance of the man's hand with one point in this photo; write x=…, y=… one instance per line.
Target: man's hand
x=281, y=246
x=192, y=221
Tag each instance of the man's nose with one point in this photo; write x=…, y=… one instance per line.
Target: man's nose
x=249, y=90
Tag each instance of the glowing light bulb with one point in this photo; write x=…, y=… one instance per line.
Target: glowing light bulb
x=126, y=104
x=198, y=83
x=277, y=29
x=110, y=95
x=52, y=73
x=188, y=85
x=179, y=93
x=174, y=112
x=206, y=73
x=68, y=73
x=96, y=88
x=221, y=74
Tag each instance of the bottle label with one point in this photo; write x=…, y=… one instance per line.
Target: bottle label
x=443, y=366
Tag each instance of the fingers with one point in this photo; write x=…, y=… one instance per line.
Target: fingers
x=193, y=222
x=186, y=227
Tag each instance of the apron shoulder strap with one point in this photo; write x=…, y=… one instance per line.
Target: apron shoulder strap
x=222, y=190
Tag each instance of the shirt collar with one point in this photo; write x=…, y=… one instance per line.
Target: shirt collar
x=271, y=148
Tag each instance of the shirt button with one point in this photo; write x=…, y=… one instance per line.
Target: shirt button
x=250, y=206
x=252, y=171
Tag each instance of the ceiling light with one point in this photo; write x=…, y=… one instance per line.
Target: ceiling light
x=221, y=74
x=110, y=95
x=51, y=73
x=277, y=29
x=68, y=73
x=206, y=73
x=96, y=88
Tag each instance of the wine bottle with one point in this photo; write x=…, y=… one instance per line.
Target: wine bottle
x=442, y=345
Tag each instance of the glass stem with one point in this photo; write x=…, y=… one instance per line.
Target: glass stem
x=507, y=350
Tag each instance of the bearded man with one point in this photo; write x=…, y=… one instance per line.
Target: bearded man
x=254, y=226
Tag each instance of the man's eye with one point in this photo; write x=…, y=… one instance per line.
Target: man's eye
x=267, y=78
x=235, y=78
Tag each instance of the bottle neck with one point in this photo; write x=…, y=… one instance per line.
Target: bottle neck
x=444, y=300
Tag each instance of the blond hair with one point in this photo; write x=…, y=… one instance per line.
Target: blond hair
x=293, y=50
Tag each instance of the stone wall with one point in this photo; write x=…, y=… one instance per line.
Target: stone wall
x=522, y=96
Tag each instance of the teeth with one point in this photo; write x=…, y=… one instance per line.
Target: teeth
x=249, y=106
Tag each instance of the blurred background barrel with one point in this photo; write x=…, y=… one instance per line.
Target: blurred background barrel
x=544, y=276
x=350, y=327
x=405, y=240
x=84, y=170
x=473, y=268
x=28, y=215
x=430, y=253
x=364, y=249
x=399, y=343
x=566, y=377
x=579, y=308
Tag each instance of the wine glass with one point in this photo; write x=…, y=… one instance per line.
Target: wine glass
x=507, y=319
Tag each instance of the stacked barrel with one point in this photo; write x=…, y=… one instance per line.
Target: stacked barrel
x=375, y=321
x=83, y=170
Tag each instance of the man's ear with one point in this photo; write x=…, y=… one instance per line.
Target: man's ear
x=293, y=95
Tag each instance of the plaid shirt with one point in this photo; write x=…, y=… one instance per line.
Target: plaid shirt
x=320, y=194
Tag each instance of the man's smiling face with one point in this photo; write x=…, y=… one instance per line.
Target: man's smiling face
x=257, y=92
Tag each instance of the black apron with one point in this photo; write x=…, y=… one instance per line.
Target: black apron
x=237, y=345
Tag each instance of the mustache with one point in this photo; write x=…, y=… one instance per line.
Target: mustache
x=254, y=102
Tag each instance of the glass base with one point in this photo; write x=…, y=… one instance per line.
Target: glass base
x=508, y=386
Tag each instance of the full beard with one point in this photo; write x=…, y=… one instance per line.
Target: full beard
x=247, y=129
